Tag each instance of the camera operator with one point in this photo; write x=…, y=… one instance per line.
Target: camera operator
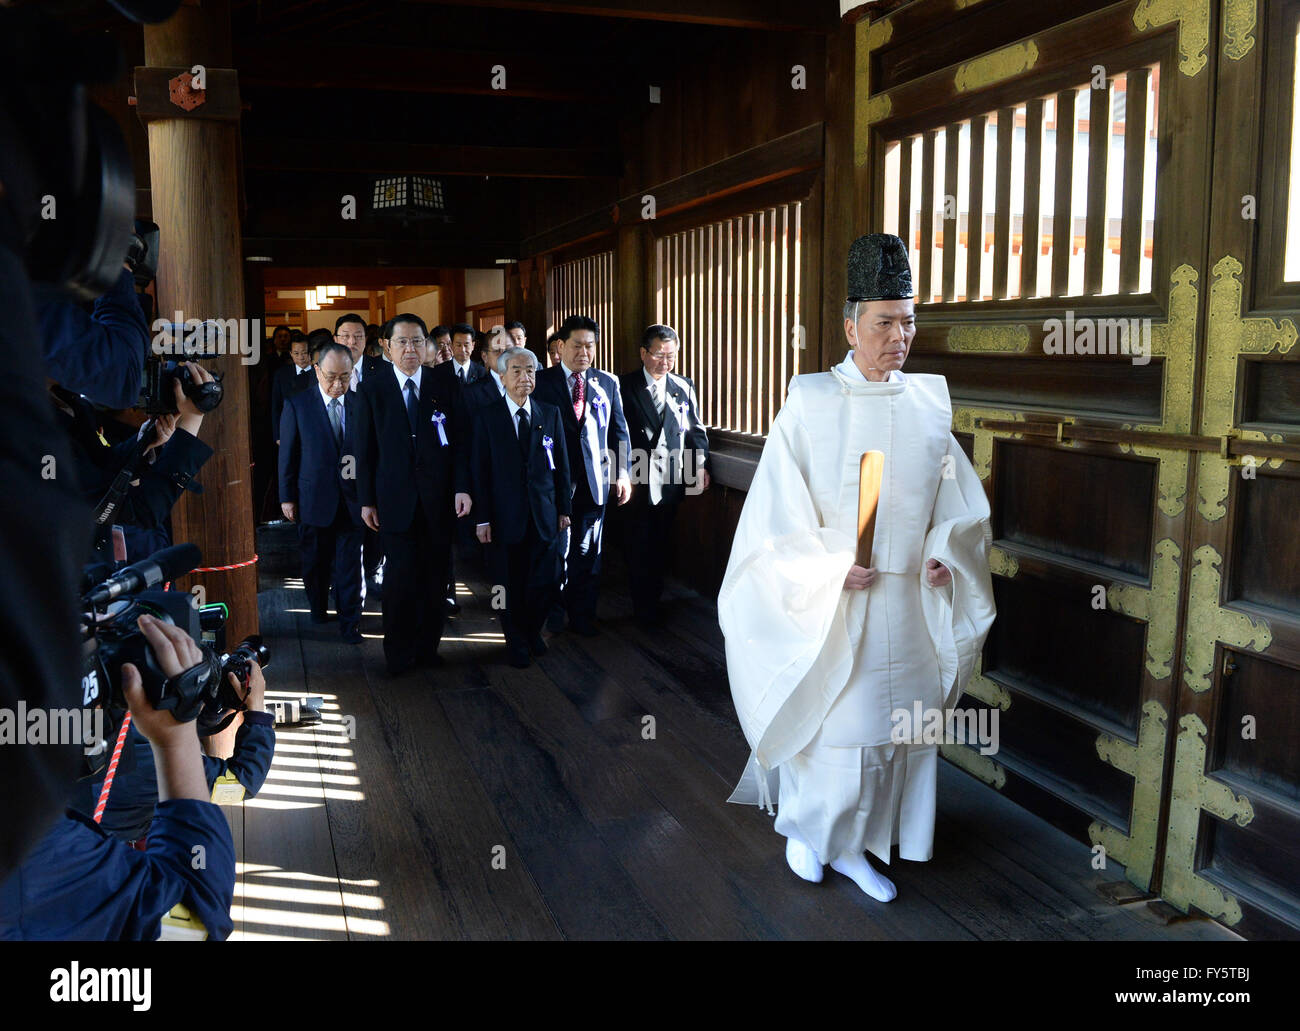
x=79, y=883
x=173, y=455
x=134, y=793
x=100, y=353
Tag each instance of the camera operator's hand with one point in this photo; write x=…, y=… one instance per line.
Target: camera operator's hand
x=190, y=416
x=163, y=428
x=176, y=752
x=256, y=697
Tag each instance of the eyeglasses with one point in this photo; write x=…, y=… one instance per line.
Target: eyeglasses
x=662, y=356
x=407, y=343
x=338, y=377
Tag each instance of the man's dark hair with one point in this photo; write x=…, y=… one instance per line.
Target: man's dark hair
x=295, y=335
x=406, y=316
x=332, y=348
x=552, y=338
x=440, y=331
x=317, y=339
x=516, y=324
x=462, y=327
x=653, y=333
x=386, y=330
x=576, y=322
x=349, y=317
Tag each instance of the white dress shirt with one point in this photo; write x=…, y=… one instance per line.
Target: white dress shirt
x=658, y=388
x=343, y=408
x=403, y=377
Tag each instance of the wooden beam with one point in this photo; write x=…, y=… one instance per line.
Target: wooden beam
x=1135, y=154
x=368, y=278
x=1002, y=193
x=1063, y=214
x=405, y=69
x=1094, y=246
x=325, y=155
x=1033, y=197
x=338, y=251
x=772, y=15
x=975, y=219
x=787, y=155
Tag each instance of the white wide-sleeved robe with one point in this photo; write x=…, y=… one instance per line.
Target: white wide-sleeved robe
x=816, y=671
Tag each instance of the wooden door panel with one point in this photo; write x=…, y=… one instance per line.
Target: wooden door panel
x=1232, y=846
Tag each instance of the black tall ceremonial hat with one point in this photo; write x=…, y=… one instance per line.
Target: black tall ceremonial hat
x=878, y=269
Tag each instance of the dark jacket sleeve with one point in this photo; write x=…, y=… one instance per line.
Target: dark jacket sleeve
x=481, y=470
x=251, y=761
x=463, y=440
x=80, y=884
x=290, y=453
x=102, y=354
x=699, y=435
x=563, y=486
x=618, y=426
x=367, y=456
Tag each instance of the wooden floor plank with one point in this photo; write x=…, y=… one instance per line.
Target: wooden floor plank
x=606, y=833
x=290, y=879
x=590, y=895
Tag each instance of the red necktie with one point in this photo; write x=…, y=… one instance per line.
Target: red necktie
x=579, y=395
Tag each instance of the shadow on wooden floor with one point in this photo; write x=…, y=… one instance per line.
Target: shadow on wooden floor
x=478, y=801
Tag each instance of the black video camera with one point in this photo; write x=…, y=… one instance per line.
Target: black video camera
x=158, y=396
x=203, y=692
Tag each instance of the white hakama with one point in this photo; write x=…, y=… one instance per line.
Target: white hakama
x=817, y=672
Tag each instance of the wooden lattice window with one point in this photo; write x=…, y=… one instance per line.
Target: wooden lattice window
x=585, y=286
x=1051, y=197
x=730, y=289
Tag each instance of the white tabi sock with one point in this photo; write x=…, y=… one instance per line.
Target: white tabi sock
x=803, y=860
x=859, y=870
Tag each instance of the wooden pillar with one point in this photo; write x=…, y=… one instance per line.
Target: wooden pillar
x=536, y=311
x=452, y=281
x=841, y=206
x=631, y=312
x=374, y=307
x=195, y=193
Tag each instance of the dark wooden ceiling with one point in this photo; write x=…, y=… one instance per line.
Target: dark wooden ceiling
x=339, y=90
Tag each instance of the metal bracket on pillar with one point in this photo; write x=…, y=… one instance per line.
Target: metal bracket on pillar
x=163, y=93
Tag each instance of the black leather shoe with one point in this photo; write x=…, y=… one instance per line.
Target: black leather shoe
x=397, y=671
x=433, y=661
x=353, y=636
x=320, y=617
x=555, y=621
x=451, y=606
x=538, y=646
x=519, y=660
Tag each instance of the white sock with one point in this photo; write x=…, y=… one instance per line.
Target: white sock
x=803, y=860
x=856, y=867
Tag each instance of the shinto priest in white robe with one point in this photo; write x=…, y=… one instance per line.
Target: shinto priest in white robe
x=817, y=671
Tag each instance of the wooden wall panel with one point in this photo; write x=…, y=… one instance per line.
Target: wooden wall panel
x=1087, y=507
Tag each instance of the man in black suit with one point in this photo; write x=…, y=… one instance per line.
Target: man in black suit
x=460, y=375
x=670, y=455
x=487, y=387
x=413, y=481
x=460, y=371
x=290, y=378
x=350, y=331
x=595, y=434
x=318, y=488
x=521, y=490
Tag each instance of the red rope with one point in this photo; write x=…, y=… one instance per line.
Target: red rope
x=222, y=569
x=112, y=769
